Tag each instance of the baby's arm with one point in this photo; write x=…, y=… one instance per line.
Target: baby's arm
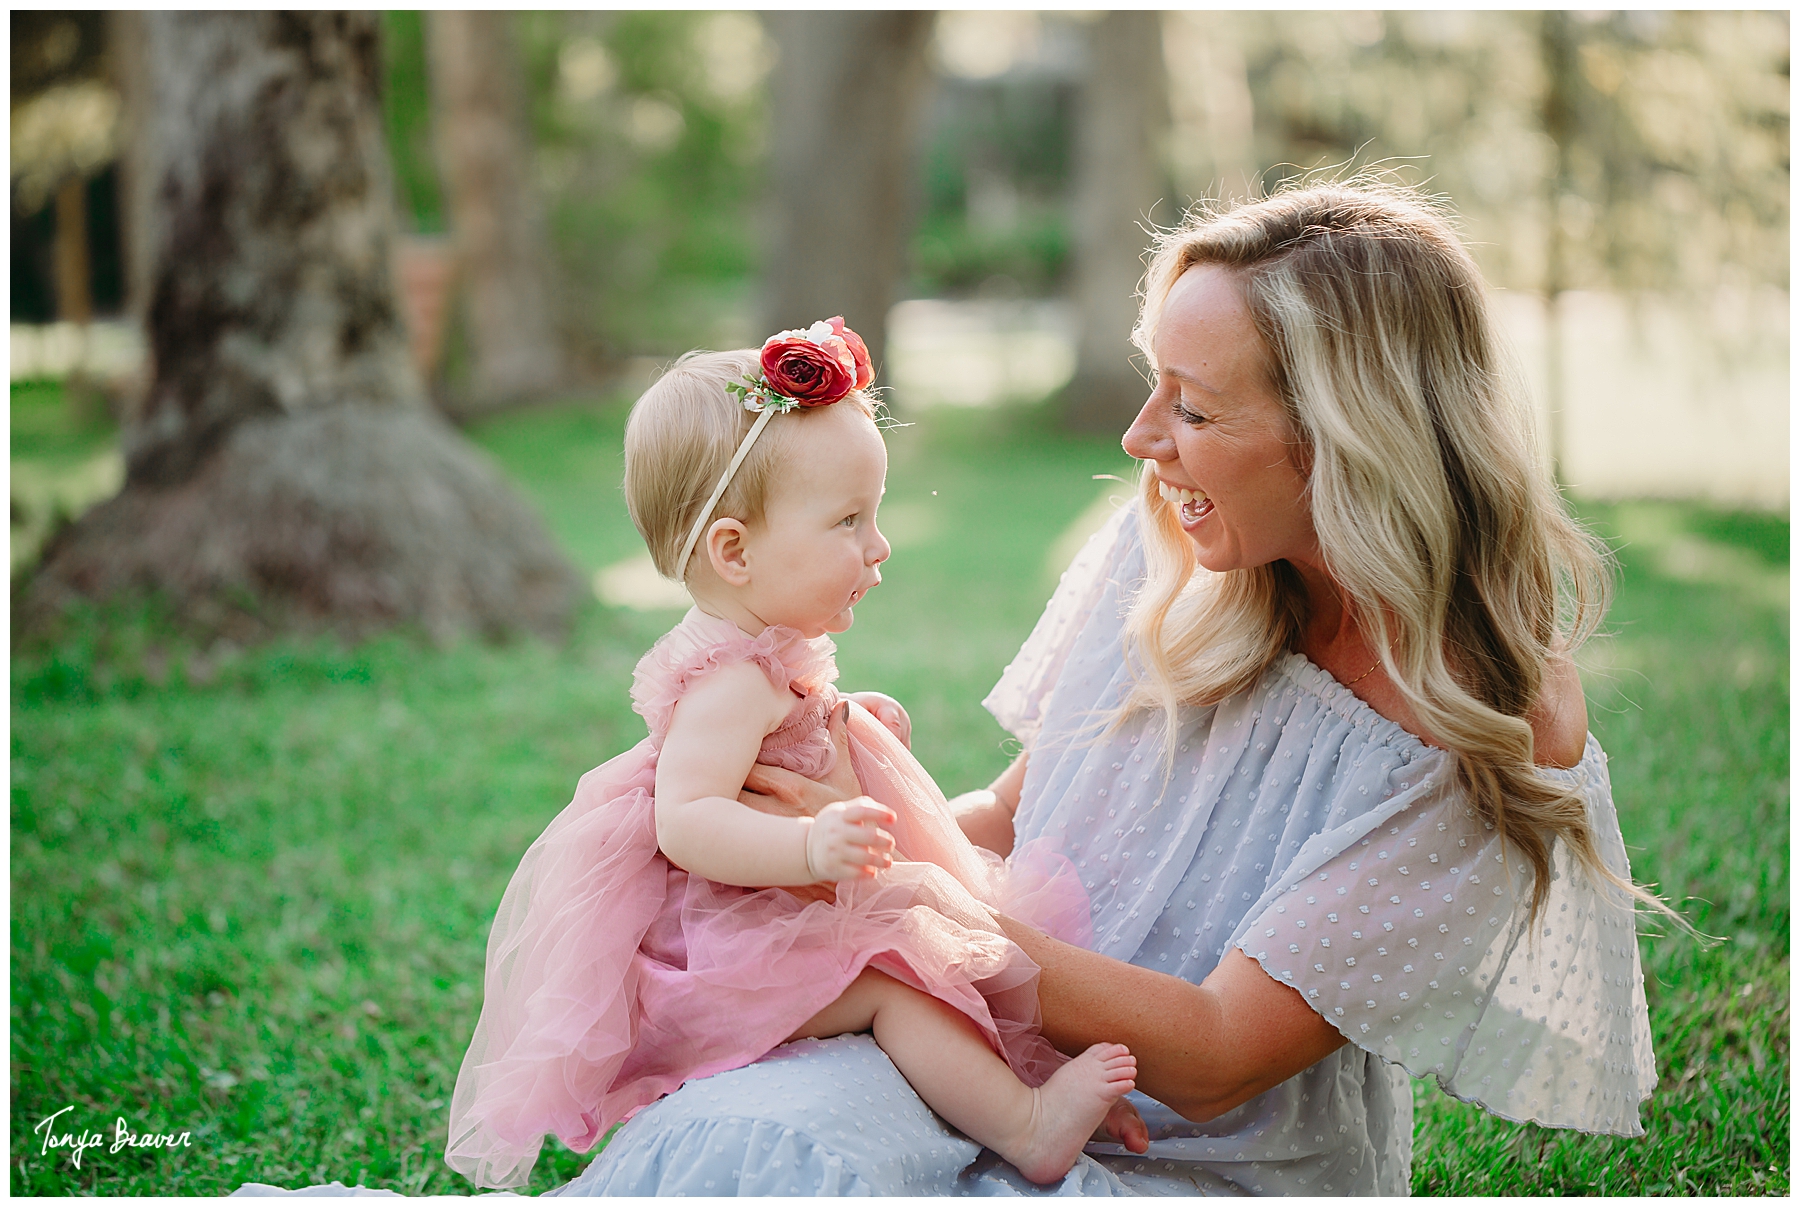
x=712, y=743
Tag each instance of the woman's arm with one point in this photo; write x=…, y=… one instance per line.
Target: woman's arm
x=712, y=743
x=986, y=814
x=1201, y=1049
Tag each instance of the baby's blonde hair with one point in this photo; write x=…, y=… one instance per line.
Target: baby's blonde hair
x=682, y=434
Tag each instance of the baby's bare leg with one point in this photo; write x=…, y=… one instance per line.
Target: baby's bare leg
x=940, y=1052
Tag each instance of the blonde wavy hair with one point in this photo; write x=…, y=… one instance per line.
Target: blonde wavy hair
x=1433, y=511
x=683, y=432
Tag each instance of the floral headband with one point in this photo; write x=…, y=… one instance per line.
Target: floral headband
x=811, y=368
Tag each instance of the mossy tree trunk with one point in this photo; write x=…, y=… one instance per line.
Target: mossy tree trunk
x=284, y=468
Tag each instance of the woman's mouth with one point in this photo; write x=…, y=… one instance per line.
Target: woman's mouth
x=1191, y=503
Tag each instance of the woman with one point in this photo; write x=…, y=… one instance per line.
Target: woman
x=1305, y=718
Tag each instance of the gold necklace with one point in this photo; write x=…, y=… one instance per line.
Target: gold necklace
x=1365, y=674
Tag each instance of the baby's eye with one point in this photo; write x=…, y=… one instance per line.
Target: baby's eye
x=848, y=521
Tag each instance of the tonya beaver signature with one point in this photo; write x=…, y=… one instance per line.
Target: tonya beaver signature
x=123, y=1137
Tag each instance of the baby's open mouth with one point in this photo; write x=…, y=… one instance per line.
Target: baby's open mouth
x=1192, y=503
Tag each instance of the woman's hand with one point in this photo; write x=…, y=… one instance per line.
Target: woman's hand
x=846, y=841
x=887, y=710
x=790, y=794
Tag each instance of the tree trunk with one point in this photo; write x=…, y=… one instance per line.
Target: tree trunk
x=285, y=468
x=478, y=116
x=1556, y=44
x=845, y=99
x=138, y=173
x=74, y=292
x=1118, y=181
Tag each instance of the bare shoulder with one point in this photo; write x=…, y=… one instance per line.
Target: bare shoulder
x=734, y=696
x=1559, y=720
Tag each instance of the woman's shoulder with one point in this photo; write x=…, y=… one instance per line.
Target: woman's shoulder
x=1559, y=723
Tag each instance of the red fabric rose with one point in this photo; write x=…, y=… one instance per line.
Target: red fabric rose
x=813, y=375
x=865, y=372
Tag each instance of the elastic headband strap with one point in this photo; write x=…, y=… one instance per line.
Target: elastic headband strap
x=693, y=538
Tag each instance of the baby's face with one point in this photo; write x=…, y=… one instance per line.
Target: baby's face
x=816, y=551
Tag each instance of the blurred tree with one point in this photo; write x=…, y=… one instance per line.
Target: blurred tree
x=1674, y=127
x=1118, y=181
x=65, y=137
x=138, y=171
x=478, y=114
x=1673, y=147
x=648, y=135
x=1557, y=47
x=997, y=156
x=285, y=468
x=846, y=97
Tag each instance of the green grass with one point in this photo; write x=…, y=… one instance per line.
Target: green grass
x=1689, y=695
x=250, y=888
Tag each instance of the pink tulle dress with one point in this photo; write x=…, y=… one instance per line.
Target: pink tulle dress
x=614, y=976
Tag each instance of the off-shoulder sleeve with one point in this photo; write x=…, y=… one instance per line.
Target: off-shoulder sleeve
x=1018, y=699
x=1408, y=932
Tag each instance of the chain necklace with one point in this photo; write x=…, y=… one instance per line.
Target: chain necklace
x=1365, y=674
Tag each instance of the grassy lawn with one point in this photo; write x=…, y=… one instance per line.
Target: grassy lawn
x=250, y=889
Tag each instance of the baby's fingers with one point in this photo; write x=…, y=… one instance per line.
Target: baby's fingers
x=879, y=845
x=866, y=810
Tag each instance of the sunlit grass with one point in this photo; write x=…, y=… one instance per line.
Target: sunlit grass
x=251, y=888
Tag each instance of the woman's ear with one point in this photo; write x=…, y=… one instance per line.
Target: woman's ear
x=727, y=548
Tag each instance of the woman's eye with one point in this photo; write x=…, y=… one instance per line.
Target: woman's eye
x=1192, y=418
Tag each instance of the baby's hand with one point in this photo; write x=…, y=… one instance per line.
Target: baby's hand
x=888, y=711
x=846, y=842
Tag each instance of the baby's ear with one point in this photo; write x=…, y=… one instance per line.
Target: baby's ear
x=726, y=550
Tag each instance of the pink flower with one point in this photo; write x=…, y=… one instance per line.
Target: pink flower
x=814, y=368
x=865, y=372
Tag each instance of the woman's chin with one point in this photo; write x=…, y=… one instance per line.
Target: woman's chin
x=1216, y=560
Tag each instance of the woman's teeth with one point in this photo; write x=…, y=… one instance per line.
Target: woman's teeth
x=1192, y=503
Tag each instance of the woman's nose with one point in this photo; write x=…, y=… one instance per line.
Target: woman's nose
x=1148, y=439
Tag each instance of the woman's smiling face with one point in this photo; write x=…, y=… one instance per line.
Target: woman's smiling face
x=1226, y=456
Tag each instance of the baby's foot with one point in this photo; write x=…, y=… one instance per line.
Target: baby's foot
x=1068, y=1108
x=1125, y=1127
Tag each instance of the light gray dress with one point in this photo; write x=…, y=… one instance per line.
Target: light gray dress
x=1299, y=826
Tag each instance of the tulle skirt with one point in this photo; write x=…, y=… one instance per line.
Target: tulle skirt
x=613, y=976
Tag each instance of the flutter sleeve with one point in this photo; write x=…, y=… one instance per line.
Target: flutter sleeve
x=1408, y=930
x=1018, y=699
x=702, y=644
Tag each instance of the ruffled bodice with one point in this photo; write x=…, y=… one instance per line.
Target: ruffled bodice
x=614, y=976
x=703, y=643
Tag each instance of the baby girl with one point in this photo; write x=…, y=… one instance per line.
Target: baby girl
x=660, y=930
